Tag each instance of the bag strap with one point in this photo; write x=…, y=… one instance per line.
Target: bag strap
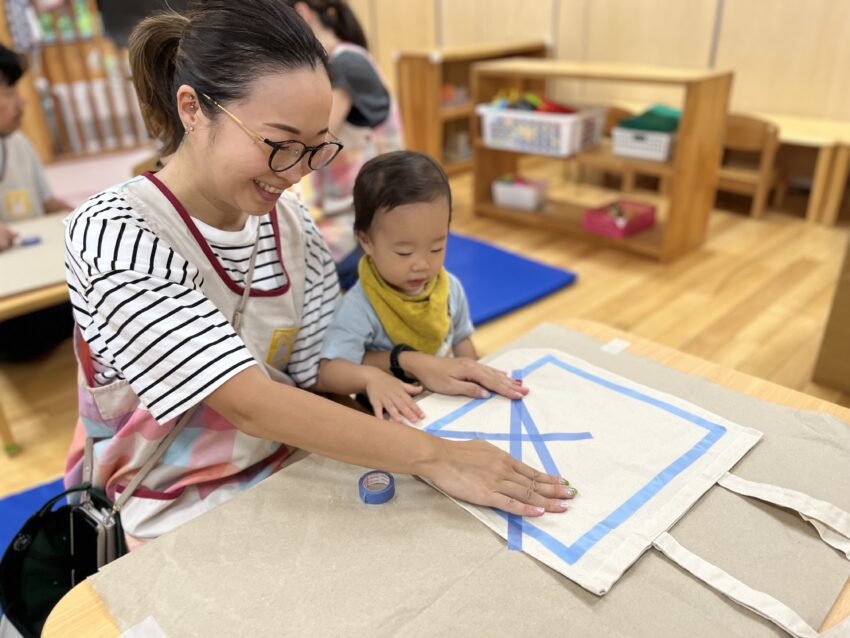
x=756, y=601
x=82, y=487
x=831, y=522
x=164, y=444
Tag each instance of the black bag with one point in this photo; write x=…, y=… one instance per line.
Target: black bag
x=55, y=550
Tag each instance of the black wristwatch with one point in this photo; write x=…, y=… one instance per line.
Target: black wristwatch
x=395, y=368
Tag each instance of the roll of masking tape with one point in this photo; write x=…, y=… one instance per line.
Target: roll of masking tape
x=376, y=487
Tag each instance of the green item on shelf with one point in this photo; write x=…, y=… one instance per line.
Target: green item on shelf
x=659, y=118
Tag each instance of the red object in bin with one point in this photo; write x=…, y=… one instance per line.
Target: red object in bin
x=619, y=218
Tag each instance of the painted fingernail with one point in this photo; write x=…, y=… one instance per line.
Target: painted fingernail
x=565, y=505
x=564, y=481
x=484, y=394
x=539, y=510
x=571, y=492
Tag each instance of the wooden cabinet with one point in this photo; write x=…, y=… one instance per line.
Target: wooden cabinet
x=692, y=171
x=833, y=364
x=432, y=126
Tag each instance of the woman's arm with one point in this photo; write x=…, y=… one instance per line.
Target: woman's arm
x=475, y=471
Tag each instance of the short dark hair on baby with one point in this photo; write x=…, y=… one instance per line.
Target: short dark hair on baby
x=395, y=179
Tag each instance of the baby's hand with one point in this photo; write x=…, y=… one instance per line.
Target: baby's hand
x=386, y=393
x=7, y=237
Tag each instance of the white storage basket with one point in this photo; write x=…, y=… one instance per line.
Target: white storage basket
x=651, y=145
x=554, y=134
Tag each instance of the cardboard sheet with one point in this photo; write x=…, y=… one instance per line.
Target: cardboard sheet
x=300, y=554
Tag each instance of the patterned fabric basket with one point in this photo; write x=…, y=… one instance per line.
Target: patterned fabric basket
x=557, y=135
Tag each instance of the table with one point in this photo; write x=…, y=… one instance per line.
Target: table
x=37, y=281
x=82, y=612
x=830, y=138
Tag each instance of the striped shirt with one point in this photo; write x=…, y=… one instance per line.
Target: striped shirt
x=140, y=307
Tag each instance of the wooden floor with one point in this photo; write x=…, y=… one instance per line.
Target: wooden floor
x=754, y=298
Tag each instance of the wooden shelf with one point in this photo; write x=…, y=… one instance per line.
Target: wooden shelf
x=456, y=111
x=690, y=177
x=602, y=157
x=535, y=68
x=476, y=52
x=458, y=166
x=421, y=76
x=566, y=218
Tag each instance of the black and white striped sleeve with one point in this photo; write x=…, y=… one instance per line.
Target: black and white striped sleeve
x=139, y=306
x=321, y=294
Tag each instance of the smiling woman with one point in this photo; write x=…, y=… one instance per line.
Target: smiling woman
x=202, y=293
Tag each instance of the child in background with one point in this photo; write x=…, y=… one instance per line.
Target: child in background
x=404, y=299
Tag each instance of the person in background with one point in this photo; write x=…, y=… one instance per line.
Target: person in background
x=364, y=117
x=24, y=194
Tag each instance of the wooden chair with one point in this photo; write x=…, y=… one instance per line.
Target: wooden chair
x=757, y=140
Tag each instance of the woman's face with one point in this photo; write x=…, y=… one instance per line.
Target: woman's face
x=291, y=105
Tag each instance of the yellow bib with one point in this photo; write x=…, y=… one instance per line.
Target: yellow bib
x=421, y=321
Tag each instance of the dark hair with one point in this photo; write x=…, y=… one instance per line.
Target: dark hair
x=219, y=48
x=395, y=179
x=11, y=66
x=337, y=16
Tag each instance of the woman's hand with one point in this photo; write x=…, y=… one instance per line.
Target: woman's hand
x=460, y=376
x=396, y=397
x=482, y=474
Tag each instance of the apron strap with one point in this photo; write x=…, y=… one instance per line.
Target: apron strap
x=236, y=321
x=164, y=444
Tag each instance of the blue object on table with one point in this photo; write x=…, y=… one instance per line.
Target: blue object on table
x=376, y=487
x=497, y=281
x=32, y=240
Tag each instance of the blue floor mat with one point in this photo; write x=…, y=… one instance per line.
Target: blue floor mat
x=15, y=509
x=497, y=281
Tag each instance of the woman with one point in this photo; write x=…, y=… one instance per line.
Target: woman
x=206, y=285
x=364, y=116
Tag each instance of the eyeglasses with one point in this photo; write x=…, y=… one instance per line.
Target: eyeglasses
x=287, y=154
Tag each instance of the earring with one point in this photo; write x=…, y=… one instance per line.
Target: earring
x=192, y=128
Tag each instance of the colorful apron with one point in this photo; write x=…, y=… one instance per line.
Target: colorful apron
x=211, y=461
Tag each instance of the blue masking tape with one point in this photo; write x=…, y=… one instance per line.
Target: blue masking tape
x=376, y=487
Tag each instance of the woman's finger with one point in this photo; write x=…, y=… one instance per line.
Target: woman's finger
x=468, y=389
x=529, y=496
x=513, y=506
x=547, y=490
x=540, y=477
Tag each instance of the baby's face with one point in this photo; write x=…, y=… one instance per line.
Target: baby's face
x=408, y=243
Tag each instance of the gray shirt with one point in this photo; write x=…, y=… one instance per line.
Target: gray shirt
x=356, y=328
x=370, y=100
x=23, y=186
